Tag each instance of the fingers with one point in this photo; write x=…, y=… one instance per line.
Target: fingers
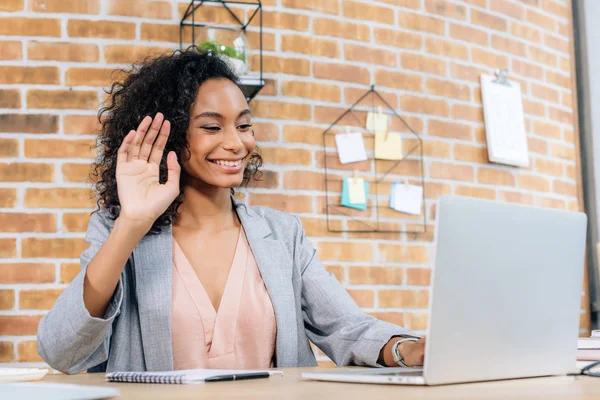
x=123, y=149
x=150, y=137
x=134, y=150
x=174, y=169
x=159, y=146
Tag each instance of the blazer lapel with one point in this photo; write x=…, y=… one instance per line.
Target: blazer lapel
x=153, y=263
x=274, y=266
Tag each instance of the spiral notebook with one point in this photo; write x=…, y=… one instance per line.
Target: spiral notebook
x=189, y=376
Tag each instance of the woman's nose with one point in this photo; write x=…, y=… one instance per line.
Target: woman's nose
x=232, y=140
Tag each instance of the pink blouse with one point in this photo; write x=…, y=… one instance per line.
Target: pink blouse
x=240, y=335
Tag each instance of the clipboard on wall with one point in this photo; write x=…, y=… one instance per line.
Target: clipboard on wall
x=504, y=120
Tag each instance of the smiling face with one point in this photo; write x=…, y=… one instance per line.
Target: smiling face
x=220, y=135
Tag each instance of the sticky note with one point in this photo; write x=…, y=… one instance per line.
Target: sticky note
x=377, y=122
x=389, y=148
x=351, y=193
x=406, y=198
x=351, y=147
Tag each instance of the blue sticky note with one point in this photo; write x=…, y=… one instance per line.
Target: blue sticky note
x=346, y=196
x=393, y=196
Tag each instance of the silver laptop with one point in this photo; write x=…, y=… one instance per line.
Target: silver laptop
x=505, y=296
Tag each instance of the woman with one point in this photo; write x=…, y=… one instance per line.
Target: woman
x=179, y=273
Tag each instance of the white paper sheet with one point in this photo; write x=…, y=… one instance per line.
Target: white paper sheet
x=351, y=147
x=406, y=198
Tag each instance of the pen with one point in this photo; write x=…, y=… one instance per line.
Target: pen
x=237, y=377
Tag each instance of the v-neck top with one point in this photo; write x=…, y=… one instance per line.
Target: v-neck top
x=240, y=334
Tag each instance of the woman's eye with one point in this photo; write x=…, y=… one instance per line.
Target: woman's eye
x=244, y=127
x=211, y=128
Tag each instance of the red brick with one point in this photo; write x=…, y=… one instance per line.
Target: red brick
x=364, y=298
x=28, y=352
x=23, y=222
x=541, y=20
x=266, y=180
x=7, y=299
x=449, y=129
x=20, y=26
x=128, y=54
x=66, y=6
x=28, y=123
x=330, y=7
x=75, y=222
x=310, y=45
x=418, y=276
x=53, y=247
x=10, y=99
x=526, y=32
x=549, y=167
x=26, y=172
x=558, y=79
x=516, y=197
x=474, y=191
x=283, y=156
x=9, y=148
x=279, y=20
x=446, y=9
x=290, y=204
x=341, y=72
x=8, y=248
x=451, y=172
x=29, y=75
x=422, y=63
x=396, y=318
x=550, y=203
x=11, y=51
x=447, y=48
x=556, y=8
x=8, y=197
x=12, y=5
x=6, y=352
x=465, y=152
x=507, y=45
x=77, y=173
x=397, y=39
x=537, y=145
x=448, y=89
x=508, y=8
x=281, y=110
x=488, y=20
x=19, y=325
x=424, y=105
x=468, y=113
x=101, y=29
x=547, y=129
x=304, y=180
x=69, y=271
x=140, y=8
x=376, y=275
x=63, y=51
x=434, y=190
x=495, y=177
x=50, y=148
x=534, y=108
x=290, y=66
x=302, y=134
x=368, y=54
x=468, y=34
x=542, y=56
x=345, y=251
x=562, y=116
x=62, y=99
x=59, y=198
x=396, y=298
x=348, y=30
x=422, y=23
x=557, y=43
x=533, y=182
x=163, y=32
x=466, y=73
x=399, y=80
x=564, y=152
x=92, y=76
x=363, y=11
x=488, y=58
x=38, y=299
x=437, y=149
x=81, y=125
x=564, y=188
x=545, y=93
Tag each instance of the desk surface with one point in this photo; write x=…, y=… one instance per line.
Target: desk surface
x=291, y=386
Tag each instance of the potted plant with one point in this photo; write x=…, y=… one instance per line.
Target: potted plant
x=235, y=55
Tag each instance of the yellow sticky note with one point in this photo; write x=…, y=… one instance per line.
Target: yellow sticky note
x=377, y=122
x=389, y=148
x=356, y=190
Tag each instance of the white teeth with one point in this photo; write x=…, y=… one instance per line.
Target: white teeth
x=228, y=163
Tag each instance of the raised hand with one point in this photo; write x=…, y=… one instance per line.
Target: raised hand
x=142, y=197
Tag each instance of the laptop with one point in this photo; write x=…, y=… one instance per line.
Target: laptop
x=505, y=296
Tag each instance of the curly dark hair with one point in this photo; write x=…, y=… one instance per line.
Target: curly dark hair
x=167, y=84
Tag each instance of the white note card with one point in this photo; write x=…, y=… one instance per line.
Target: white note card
x=504, y=122
x=351, y=147
x=406, y=198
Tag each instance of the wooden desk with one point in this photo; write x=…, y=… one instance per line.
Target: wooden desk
x=291, y=386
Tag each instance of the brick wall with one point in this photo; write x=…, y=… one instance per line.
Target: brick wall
x=425, y=57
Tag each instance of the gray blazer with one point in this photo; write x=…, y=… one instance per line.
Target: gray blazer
x=135, y=333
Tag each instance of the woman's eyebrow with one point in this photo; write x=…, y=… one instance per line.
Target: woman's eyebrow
x=209, y=114
x=244, y=112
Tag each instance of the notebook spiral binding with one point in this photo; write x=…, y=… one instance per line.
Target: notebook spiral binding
x=137, y=377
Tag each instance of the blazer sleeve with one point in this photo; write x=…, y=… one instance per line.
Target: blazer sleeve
x=69, y=338
x=332, y=320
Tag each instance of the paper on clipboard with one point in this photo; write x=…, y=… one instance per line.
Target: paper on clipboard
x=504, y=121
